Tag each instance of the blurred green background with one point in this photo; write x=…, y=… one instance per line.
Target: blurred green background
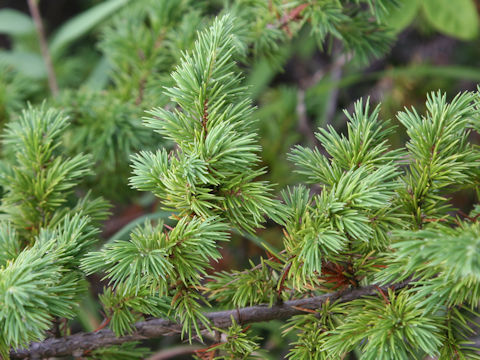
x=110, y=68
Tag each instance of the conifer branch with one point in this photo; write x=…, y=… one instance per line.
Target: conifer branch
x=80, y=343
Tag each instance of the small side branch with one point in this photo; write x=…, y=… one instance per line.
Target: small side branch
x=37, y=19
x=81, y=342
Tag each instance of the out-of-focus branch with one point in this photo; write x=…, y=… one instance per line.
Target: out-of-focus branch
x=303, y=121
x=175, y=351
x=37, y=19
x=335, y=70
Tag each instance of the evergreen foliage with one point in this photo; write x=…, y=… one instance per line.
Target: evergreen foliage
x=347, y=21
x=44, y=233
x=14, y=89
x=144, y=43
x=213, y=170
x=140, y=47
x=373, y=215
x=431, y=322
x=239, y=344
x=110, y=142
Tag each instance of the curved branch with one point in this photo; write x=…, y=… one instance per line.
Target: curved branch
x=79, y=343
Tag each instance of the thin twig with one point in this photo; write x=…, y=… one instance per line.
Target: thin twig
x=303, y=121
x=37, y=19
x=155, y=328
x=335, y=76
x=175, y=351
x=335, y=70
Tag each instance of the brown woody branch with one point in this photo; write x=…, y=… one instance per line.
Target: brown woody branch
x=42, y=39
x=80, y=343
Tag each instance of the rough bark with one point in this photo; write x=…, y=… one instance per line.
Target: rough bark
x=79, y=343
